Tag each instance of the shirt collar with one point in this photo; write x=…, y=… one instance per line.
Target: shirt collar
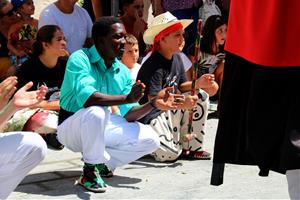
x=96, y=58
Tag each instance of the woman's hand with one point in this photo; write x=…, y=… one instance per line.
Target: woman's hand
x=24, y=98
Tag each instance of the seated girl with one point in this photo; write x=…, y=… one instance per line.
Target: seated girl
x=45, y=67
x=212, y=47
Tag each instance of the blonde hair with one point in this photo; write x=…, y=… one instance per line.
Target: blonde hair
x=130, y=39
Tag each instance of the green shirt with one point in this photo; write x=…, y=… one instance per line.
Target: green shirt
x=86, y=74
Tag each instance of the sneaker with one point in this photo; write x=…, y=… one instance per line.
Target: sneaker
x=104, y=171
x=52, y=141
x=91, y=180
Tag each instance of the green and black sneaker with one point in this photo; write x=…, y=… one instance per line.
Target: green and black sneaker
x=91, y=179
x=104, y=171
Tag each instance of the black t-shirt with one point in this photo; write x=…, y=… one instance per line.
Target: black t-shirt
x=157, y=73
x=34, y=70
x=3, y=46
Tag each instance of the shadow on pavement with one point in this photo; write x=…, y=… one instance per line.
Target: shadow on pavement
x=56, y=183
x=60, y=183
x=122, y=182
x=149, y=162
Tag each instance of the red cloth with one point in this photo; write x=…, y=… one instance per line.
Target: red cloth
x=164, y=32
x=265, y=32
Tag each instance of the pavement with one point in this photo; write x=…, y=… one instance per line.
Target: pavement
x=55, y=177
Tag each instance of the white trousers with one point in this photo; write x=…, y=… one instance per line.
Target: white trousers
x=20, y=152
x=107, y=138
x=293, y=179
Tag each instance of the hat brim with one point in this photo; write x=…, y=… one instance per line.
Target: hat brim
x=151, y=32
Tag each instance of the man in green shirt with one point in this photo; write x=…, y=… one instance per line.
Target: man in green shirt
x=94, y=80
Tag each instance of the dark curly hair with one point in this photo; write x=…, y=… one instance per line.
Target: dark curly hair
x=102, y=26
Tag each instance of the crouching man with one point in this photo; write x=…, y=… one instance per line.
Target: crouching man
x=94, y=80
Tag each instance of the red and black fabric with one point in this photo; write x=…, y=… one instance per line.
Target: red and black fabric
x=259, y=106
x=265, y=32
x=259, y=118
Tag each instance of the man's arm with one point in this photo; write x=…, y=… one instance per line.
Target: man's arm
x=88, y=41
x=157, y=7
x=164, y=100
x=97, y=8
x=102, y=99
x=48, y=105
x=139, y=112
x=205, y=81
x=97, y=98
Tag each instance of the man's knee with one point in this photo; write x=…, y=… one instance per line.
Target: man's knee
x=96, y=114
x=151, y=140
x=37, y=144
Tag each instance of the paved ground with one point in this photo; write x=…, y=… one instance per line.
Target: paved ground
x=54, y=178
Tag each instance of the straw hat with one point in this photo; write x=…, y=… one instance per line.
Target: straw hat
x=161, y=22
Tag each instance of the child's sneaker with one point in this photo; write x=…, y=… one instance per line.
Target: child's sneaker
x=91, y=180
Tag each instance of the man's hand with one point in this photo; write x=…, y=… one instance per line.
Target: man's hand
x=138, y=26
x=165, y=100
x=24, y=98
x=7, y=89
x=136, y=93
x=66, y=53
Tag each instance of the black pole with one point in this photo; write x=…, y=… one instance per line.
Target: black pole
x=217, y=174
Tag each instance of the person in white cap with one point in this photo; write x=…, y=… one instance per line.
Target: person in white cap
x=164, y=68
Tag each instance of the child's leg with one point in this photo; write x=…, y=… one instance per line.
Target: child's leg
x=199, y=124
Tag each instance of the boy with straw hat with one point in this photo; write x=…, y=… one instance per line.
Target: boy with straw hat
x=164, y=68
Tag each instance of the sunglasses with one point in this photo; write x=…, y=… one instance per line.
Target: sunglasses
x=9, y=13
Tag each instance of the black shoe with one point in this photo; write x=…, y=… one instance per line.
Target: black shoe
x=52, y=141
